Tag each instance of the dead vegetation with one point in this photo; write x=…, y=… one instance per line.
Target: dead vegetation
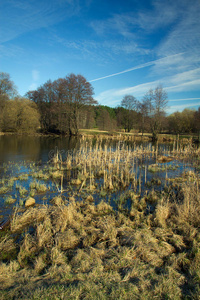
x=76, y=250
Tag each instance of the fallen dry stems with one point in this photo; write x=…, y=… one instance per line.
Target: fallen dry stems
x=95, y=251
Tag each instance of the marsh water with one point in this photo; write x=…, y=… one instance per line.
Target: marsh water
x=33, y=148
x=20, y=156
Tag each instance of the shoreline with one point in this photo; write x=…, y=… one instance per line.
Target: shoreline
x=118, y=135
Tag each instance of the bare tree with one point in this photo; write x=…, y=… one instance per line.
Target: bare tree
x=156, y=104
x=46, y=101
x=79, y=93
x=160, y=101
x=87, y=117
x=197, y=122
x=143, y=109
x=62, y=101
x=130, y=104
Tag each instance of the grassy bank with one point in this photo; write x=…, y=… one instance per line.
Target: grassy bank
x=76, y=250
x=136, y=136
x=115, y=135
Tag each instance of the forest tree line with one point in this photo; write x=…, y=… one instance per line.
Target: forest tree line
x=65, y=105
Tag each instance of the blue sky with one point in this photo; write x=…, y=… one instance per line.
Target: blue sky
x=121, y=46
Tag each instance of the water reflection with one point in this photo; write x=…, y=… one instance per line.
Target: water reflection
x=25, y=152
x=29, y=148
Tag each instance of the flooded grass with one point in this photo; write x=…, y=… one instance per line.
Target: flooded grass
x=103, y=169
x=106, y=222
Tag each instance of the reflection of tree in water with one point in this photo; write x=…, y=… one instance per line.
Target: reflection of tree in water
x=18, y=148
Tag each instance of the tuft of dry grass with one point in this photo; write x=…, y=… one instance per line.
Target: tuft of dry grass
x=44, y=232
x=57, y=200
x=40, y=264
x=30, y=216
x=10, y=200
x=7, y=273
x=162, y=213
x=67, y=240
x=188, y=210
x=76, y=250
x=7, y=247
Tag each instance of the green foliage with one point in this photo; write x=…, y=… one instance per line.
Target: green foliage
x=105, y=118
x=87, y=117
x=110, y=110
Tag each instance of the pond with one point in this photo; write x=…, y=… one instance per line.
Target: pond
x=44, y=168
x=32, y=148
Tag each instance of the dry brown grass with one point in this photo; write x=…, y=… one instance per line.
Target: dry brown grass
x=98, y=253
x=67, y=240
x=7, y=245
x=8, y=273
x=162, y=213
x=28, y=217
x=189, y=209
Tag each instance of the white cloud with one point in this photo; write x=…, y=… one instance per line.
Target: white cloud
x=184, y=35
x=178, y=49
x=182, y=39
x=187, y=76
x=117, y=24
x=161, y=14
x=181, y=107
x=11, y=51
x=148, y=64
x=169, y=65
x=185, y=99
x=35, y=79
x=114, y=96
x=33, y=86
x=18, y=17
x=35, y=75
x=101, y=52
x=125, y=71
x=186, y=86
x=185, y=81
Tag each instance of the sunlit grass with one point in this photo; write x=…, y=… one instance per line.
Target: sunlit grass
x=80, y=245
x=4, y=189
x=108, y=229
x=10, y=200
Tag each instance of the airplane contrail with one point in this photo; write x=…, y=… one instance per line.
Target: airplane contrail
x=151, y=63
x=187, y=99
x=125, y=71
